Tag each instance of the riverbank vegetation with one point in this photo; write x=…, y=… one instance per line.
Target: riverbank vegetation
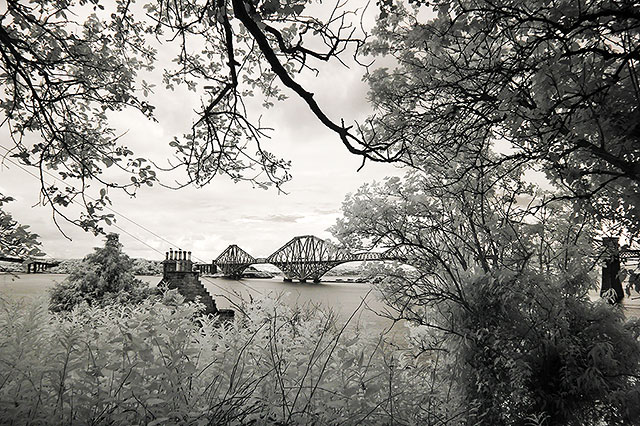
x=139, y=267
x=153, y=364
x=481, y=98
x=500, y=286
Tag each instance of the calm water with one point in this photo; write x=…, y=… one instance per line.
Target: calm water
x=343, y=298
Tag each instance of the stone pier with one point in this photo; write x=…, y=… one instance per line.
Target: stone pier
x=179, y=273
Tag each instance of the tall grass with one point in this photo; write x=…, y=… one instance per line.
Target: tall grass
x=160, y=363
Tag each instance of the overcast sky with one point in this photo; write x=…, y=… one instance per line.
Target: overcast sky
x=207, y=220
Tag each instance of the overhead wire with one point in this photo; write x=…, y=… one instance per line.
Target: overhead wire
x=134, y=223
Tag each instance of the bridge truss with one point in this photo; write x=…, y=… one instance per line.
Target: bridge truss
x=303, y=258
x=308, y=258
x=233, y=261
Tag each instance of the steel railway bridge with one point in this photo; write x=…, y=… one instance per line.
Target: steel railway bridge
x=32, y=265
x=304, y=258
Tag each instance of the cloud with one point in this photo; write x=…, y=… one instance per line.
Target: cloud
x=206, y=220
x=284, y=218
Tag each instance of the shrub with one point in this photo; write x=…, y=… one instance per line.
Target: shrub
x=102, y=277
x=151, y=363
x=526, y=346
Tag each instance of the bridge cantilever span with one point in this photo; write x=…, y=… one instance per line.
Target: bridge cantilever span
x=308, y=258
x=233, y=260
x=303, y=258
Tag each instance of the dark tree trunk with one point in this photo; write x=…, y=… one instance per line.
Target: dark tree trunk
x=611, y=268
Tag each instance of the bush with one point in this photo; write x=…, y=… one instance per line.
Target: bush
x=103, y=277
x=151, y=363
x=147, y=267
x=528, y=347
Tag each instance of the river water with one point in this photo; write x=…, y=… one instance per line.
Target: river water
x=343, y=298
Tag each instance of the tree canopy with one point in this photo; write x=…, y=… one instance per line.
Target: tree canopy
x=15, y=239
x=66, y=66
x=549, y=84
x=104, y=276
x=552, y=85
x=478, y=96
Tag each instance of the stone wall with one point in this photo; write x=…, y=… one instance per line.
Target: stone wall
x=178, y=273
x=188, y=285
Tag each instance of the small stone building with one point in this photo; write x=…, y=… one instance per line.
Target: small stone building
x=178, y=273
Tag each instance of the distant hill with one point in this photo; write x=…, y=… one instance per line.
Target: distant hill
x=252, y=272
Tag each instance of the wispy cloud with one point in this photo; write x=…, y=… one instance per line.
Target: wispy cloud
x=284, y=218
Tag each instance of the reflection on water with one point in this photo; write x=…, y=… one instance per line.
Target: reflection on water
x=343, y=298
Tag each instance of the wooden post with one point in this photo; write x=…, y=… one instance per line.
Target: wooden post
x=611, y=268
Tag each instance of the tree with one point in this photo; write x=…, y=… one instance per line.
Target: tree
x=65, y=66
x=480, y=93
x=102, y=277
x=500, y=286
x=556, y=83
x=15, y=239
x=552, y=85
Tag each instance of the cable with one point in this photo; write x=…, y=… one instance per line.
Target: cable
x=133, y=222
x=91, y=198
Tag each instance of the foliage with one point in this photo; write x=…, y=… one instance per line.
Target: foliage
x=552, y=85
x=500, y=284
x=60, y=77
x=66, y=266
x=67, y=66
x=15, y=239
x=152, y=364
x=146, y=267
x=526, y=347
x=140, y=267
x=102, y=277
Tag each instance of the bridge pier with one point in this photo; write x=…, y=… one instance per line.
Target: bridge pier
x=205, y=268
x=36, y=267
x=178, y=273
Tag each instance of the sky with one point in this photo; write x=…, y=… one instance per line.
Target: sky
x=207, y=220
